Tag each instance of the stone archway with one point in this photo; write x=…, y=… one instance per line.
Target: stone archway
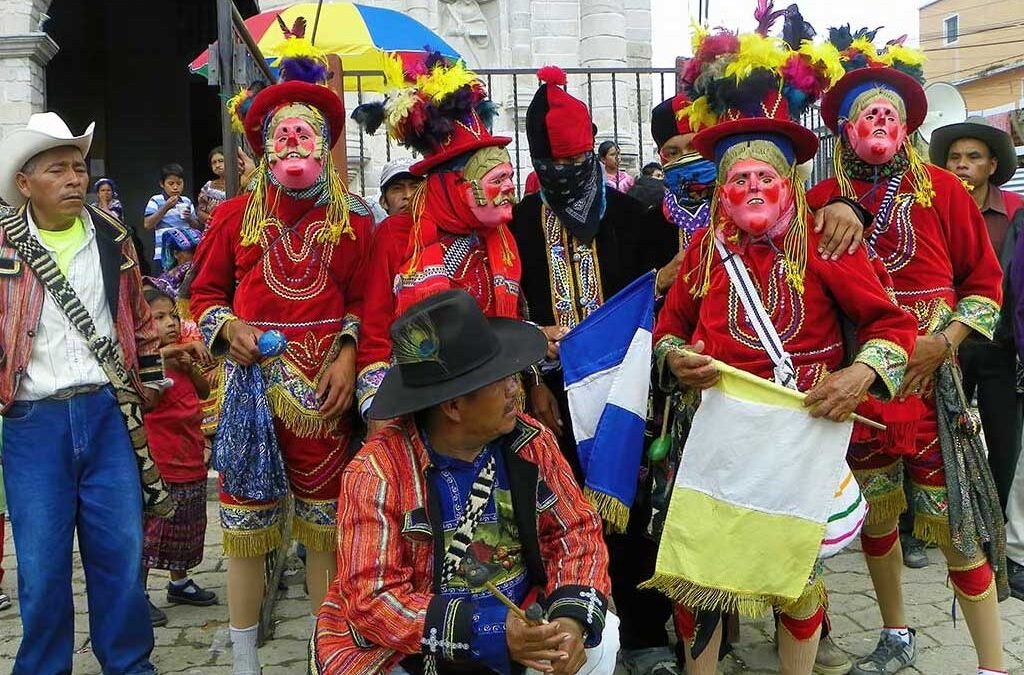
x=25, y=49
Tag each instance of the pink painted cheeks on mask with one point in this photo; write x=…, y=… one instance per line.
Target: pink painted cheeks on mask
x=877, y=133
x=499, y=193
x=294, y=161
x=754, y=196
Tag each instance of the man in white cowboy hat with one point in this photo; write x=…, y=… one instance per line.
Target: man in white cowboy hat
x=72, y=406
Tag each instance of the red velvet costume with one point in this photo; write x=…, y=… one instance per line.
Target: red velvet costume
x=808, y=324
x=311, y=291
x=942, y=268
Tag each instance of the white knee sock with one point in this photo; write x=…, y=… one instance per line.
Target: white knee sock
x=245, y=661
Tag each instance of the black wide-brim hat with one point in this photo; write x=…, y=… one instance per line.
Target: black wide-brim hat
x=444, y=347
x=997, y=140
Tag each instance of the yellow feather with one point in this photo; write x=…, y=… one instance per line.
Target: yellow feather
x=237, y=123
x=824, y=55
x=757, y=51
x=298, y=48
x=394, y=72
x=866, y=46
x=700, y=114
x=697, y=35
x=441, y=81
x=907, y=55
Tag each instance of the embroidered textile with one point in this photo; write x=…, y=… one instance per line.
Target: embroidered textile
x=575, y=273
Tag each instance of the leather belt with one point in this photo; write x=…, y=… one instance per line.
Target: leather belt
x=70, y=392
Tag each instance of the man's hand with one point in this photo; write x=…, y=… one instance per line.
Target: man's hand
x=839, y=394
x=840, y=229
x=242, y=339
x=695, y=371
x=536, y=647
x=576, y=655
x=544, y=406
x=338, y=383
x=666, y=276
x=929, y=353
x=554, y=334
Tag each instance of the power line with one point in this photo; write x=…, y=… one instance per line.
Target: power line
x=973, y=68
x=964, y=9
x=980, y=44
x=1012, y=23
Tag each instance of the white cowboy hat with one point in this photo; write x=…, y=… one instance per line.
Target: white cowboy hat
x=43, y=132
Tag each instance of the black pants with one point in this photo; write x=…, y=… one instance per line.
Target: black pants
x=990, y=369
x=643, y=614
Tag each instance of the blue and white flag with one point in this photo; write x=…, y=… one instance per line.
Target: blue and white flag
x=606, y=361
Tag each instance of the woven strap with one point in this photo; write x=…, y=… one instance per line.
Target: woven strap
x=156, y=499
x=785, y=371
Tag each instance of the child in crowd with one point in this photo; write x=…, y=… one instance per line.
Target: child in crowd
x=175, y=436
x=170, y=209
x=614, y=176
x=212, y=193
x=177, y=249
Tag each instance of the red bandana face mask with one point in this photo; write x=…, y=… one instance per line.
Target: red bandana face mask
x=491, y=199
x=294, y=153
x=877, y=134
x=754, y=196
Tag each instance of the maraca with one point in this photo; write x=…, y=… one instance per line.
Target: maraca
x=272, y=343
x=658, y=450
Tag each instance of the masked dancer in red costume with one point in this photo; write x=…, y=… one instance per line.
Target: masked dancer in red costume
x=932, y=240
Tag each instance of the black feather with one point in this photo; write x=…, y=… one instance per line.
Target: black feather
x=794, y=29
x=488, y=112
x=369, y=116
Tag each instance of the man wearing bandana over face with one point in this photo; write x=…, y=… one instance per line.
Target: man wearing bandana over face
x=580, y=244
x=455, y=233
x=932, y=239
x=287, y=256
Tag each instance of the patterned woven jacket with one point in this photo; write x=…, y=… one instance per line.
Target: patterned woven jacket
x=385, y=605
x=21, y=297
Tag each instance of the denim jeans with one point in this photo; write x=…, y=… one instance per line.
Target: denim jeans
x=69, y=465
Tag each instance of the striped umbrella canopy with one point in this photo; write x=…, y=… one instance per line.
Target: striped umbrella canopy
x=360, y=35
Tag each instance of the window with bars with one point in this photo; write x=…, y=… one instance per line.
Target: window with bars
x=951, y=28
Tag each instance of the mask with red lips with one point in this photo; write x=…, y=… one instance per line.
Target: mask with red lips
x=754, y=196
x=877, y=133
x=295, y=153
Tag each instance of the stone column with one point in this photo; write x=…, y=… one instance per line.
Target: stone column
x=24, y=52
x=602, y=46
x=638, y=55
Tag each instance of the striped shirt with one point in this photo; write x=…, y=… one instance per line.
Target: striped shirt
x=173, y=219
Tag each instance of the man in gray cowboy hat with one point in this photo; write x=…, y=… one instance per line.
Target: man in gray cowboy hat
x=462, y=498
x=985, y=158
x=70, y=463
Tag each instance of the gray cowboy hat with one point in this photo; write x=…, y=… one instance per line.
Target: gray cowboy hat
x=444, y=347
x=997, y=140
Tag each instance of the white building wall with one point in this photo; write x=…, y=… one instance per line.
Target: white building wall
x=24, y=52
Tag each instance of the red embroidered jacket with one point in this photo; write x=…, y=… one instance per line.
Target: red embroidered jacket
x=940, y=259
x=291, y=281
x=384, y=606
x=21, y=297
x=808, y=323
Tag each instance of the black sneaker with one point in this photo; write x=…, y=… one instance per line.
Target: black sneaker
x=1016, y=575
x=156, y=615
x=891, y=655
x=914, y=556
x=190, y=594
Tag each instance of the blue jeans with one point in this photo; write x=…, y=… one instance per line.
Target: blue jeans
x=67, y=465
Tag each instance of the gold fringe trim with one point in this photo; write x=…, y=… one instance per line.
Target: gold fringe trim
x=968, y=567
x=251, y=543
x=923, y=191
x=813, y=597
x=254, y=218
x=886, y=508
x=932, y=529
x=696, y=596
x=184, y=309
x=613, y=511
x=322, y=538
x=842, y=180
x=297, y=419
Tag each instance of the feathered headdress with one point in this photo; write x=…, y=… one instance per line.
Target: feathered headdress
x=895, y=72
x=437, y=108
x=749, y=92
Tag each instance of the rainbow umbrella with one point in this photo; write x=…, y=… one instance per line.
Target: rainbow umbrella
x=362, y=36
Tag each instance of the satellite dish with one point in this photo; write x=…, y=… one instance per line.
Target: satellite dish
x=945, y=106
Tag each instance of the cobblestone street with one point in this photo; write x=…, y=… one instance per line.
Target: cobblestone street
x=195, y=640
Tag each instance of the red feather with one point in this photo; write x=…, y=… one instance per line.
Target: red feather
x=552, y=75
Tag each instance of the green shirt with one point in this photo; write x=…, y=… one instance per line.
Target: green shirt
x=65, y=243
